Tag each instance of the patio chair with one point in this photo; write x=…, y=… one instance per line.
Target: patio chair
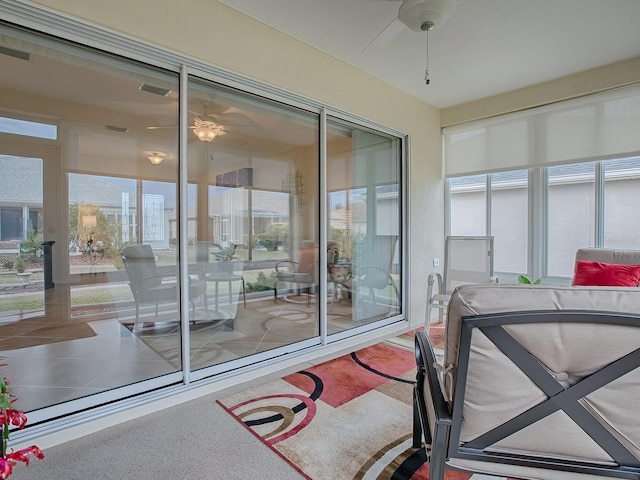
x=149, y=285
x=375, y=273
x=467, y=259
x=302, y=272
x=535, y=382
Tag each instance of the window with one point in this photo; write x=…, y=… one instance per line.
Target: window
x=468, y=205
x=29, y=129
x=571, y=209
x=507, y=202
x=509, y=220
x=590, y=204
x=621, y=217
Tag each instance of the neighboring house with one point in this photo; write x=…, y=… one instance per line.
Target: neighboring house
x=22, y=194
x=20, y=197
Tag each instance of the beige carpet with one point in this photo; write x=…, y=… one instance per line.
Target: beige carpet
x=194, y=441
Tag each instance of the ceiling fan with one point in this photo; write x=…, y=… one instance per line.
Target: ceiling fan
x=417, y=15
x=207, y=127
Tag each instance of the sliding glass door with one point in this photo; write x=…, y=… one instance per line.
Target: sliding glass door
x=161, y=248
x=253, y=223
x=364, y=228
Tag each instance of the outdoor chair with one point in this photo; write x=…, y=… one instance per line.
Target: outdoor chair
x=467, y=259
x=369, y=274
x=302, y=272
x=535, y=382
x=375, y=272
x=149, y=285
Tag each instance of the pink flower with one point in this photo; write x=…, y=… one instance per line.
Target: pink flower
x=13, y=417
x=5, y=468
x=10, y=416
x=7, y=463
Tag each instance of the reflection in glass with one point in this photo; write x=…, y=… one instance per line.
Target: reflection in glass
x=364, y=205
x=104, y=194
x=256, y=207
x=21, y=236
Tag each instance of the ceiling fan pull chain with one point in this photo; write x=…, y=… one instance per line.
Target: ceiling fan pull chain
x=426, y=72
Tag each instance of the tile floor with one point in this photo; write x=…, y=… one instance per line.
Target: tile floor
x=53, y=359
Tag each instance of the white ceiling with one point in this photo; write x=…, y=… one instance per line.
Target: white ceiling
x=487, y=47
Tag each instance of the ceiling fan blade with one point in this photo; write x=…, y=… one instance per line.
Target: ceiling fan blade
x=384, y=38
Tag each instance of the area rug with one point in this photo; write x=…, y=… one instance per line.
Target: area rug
x=32, y=334
x=348, y=418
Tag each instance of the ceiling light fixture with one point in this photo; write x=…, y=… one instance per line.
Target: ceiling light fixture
x=155, y=158
x=206, y=130
x=424, y=16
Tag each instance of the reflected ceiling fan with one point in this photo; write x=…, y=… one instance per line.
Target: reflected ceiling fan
x=207, y=127
x=417, y=15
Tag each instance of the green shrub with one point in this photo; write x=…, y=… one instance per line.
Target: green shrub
x=262, y=283
x=7, y=261
x=32, y=246
x=20, y=265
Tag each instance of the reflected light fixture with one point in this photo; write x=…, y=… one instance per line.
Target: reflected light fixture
x=206, y=130
x=155, y=158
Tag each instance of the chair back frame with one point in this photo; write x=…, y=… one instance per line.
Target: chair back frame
x=447, y=444
x=468, y=259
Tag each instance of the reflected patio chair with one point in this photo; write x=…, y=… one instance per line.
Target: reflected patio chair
x=301, y=272
x=467, y=259
x=375, y=273
x=149, y=285
x=370, y=274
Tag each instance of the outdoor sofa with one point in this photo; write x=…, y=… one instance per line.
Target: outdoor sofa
x=535, y=382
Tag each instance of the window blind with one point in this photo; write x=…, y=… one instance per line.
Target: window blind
x=602, y=125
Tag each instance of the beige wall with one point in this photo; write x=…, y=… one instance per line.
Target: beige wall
x=618, y=74
x=216, y=34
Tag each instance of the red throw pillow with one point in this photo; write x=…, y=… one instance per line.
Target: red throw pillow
x=606, y=274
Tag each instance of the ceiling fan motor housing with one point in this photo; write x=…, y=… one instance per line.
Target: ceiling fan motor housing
x=420, y=15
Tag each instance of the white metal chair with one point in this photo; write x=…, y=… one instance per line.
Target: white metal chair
x=467, y=259
x=149, y=285
x=302, y=272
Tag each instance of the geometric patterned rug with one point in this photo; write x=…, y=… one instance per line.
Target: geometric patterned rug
x=348, y=418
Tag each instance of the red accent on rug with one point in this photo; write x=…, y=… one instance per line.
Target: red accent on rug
x=342, y=382
x=423, y=474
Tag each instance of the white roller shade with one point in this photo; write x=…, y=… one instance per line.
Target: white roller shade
x=602, y=125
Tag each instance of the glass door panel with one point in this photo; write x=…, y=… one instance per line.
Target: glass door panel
x=364, y=203
x=253, y=223
x=105, y=118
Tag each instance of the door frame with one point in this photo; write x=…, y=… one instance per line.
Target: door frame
x=53, y=228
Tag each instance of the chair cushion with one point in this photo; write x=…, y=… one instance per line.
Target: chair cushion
x=589, y=273
x=497, y=390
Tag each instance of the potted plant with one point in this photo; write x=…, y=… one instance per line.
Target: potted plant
x=524, y=280
x=11, y=417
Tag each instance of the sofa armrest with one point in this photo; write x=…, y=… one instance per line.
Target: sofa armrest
x=431, y=411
